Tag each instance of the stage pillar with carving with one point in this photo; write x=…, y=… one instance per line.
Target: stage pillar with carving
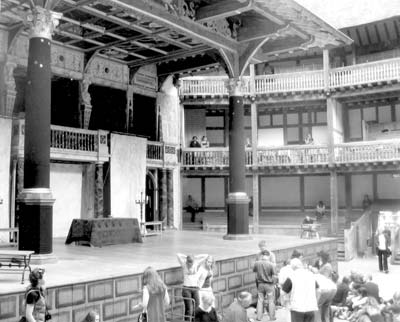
x=36, y=200
x=237, y=201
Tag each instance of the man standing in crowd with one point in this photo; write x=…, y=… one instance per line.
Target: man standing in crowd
x=265, y=281
x=236, y=312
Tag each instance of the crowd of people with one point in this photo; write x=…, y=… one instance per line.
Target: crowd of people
x=307, y=291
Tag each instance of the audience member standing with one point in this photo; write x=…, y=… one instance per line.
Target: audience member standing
x=205, y=278
x=326, y=292
x=155, y=296
x=190, y=289
x=325, y=267
x=265, y=275
x=302, y=288
x=382, y=246
x=236, y=312
x=286, y=272
x=262, y=245
x=35, y=300
x=192, y=207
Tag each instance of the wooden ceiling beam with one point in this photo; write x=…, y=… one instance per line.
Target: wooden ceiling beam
x=185, y=26
x=128, y=25
x=174, y=55
x=222, y=9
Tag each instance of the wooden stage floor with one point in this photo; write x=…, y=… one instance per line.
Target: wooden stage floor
x=77, y=264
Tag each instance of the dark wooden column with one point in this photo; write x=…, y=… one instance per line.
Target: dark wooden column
x=163, y=202
x=36, y=200
x=237, y=201
x=98, y=191
x=170, y=199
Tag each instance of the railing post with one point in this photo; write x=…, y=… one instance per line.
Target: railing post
x=325, y=57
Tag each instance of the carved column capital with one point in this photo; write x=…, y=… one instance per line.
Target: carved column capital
x=235, y=86
x=42, y=22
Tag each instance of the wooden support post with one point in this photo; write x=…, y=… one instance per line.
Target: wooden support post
x=334, y=202
x=256, y=203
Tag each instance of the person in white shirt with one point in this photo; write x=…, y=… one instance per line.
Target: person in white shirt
x=190, y=289
x=382, y=248
x=326, y=292
x=285, y=272
x=302, y=288
x=205, y=279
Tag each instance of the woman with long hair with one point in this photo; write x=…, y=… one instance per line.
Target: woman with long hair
x=155, y=296
x=205, y=279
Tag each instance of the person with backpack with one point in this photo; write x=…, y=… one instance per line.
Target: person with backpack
x=35, y=300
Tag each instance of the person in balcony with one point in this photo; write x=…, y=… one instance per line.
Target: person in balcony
x=248, y=143
x=204, y=142
x=320, y=210
x=309, y=139
x=195, y=142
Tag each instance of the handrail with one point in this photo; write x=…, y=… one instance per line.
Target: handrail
x=359, y=74
x=355, y=237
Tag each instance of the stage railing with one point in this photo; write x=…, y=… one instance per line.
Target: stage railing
x=361, y=74
x=73, y=139
x=159, y=153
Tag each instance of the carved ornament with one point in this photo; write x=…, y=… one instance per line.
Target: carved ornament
x=235, y=86
x=220, y=26
x=84, y=88
x=42, y=22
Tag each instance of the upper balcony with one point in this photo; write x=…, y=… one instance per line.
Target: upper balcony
x=381, y=152
x=355, y=76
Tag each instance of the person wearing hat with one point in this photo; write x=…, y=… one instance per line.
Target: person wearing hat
x=191, y=276
x=35, y=301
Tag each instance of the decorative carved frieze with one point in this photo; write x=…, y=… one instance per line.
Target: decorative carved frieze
x=220, y=26
x=109, y=73
x=42, y=22
x=144, y=81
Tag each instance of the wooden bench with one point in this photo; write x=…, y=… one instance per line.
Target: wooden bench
x=14, y=261
x=13, y=236
x=309, y=230
x=157, y=228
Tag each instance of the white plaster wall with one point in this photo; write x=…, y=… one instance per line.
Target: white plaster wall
x=361, y=184
x=66, y=187
x=5, y=150
x=127, y=174
x=355, y=124
x=168, y=101
x=215, y=192
x=280, y=191
x=388, y=187
x=316, y=188
x=191, y=186
x=320, y=134
x=270, y=137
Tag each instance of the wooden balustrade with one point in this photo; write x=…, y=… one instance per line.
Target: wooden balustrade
x=379, y=71
x=299, y=81
x=361, y=74
x=293, y=155
x=371, y=151
x=73, y=139
x=210, y=157
x=155, y=151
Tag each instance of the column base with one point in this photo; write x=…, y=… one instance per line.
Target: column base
x=35, y=221
x=238, y=213
x=237, y=237
x=40, y=259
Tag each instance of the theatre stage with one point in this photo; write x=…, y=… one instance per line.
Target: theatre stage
x=105, y=278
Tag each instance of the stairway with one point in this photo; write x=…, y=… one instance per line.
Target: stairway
x=340, y=246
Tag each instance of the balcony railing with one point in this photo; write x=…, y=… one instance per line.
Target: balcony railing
x=356, y=75
x=298, y=155
x=67, y=143
x=160, y=153
x=293, y=155
x=371, y=151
